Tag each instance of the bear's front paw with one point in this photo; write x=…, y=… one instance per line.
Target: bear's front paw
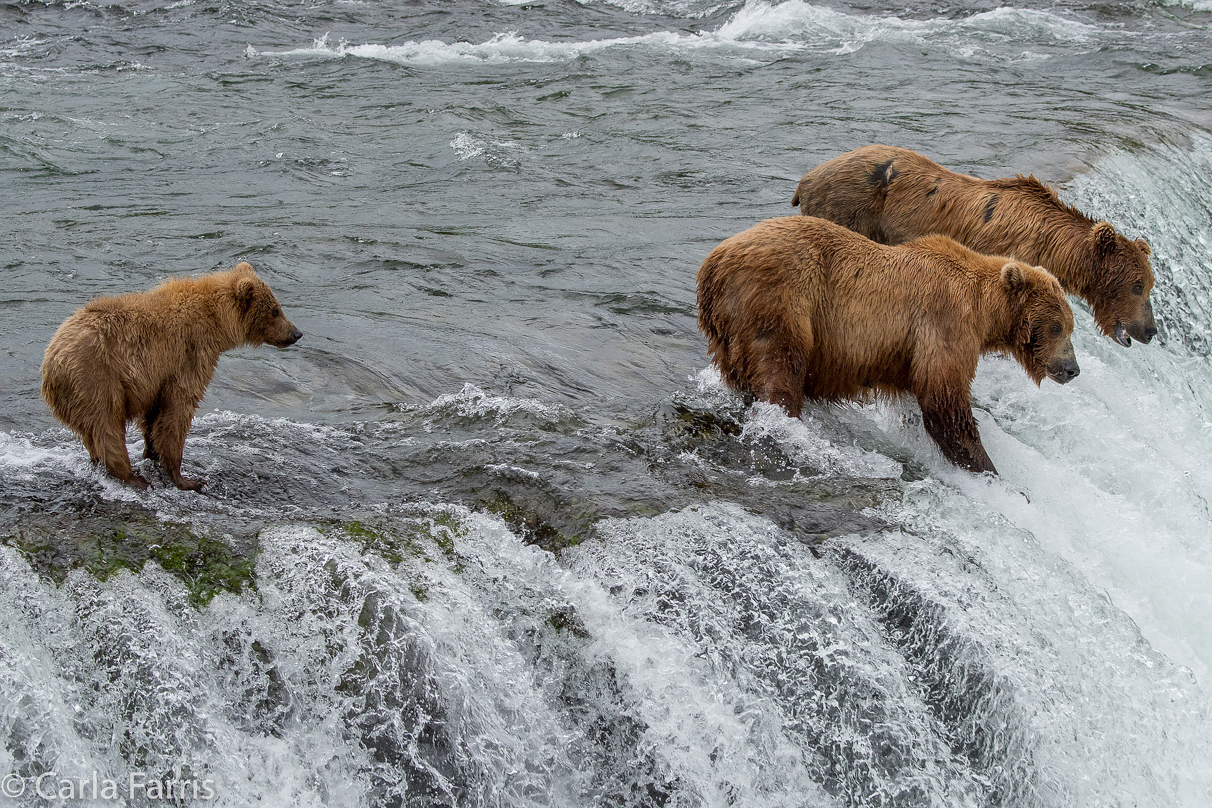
x=136, y=481
x=189, y=483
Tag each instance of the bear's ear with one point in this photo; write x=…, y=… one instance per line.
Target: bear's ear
x=246, y=291
x=1012, y=277
x=1143, y=246
x=243, y=268
x=1103, y=235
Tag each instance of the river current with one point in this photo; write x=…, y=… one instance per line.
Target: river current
x=493, y=533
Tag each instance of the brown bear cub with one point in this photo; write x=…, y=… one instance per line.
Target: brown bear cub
x=148, y=357
x=892, y=195
x=798, y=307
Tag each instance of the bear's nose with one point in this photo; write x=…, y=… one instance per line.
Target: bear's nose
x=1150, y=333
x=1069, y=372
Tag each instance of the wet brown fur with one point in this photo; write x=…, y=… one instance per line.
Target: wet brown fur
x=892, y=195
x=798, y=307
x=148, y=357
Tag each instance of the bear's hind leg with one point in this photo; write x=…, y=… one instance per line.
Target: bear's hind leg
x=951, y=423
x=147, y=424
x=107, y=446
x=93, y=456
x=176, y=412
x=778, y=366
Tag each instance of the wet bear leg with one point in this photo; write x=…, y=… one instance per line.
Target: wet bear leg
x=91, y=446
x=176, y=412
x=107, y=446
x=780, y=369
x=953, y=427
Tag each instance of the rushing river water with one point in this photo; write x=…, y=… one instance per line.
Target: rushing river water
x=493, y=533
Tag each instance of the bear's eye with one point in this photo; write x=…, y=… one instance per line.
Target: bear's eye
x=1138, y=289
x=1056, y=329
x=277, y=312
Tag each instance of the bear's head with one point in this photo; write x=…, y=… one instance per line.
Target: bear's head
x=1040, y=339
x=1120, y=288
x=262, y=316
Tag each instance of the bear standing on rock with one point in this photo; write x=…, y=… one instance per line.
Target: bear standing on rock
x=891, y=195
x=800, y=307
x=149, y=357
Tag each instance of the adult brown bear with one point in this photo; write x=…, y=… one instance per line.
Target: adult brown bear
x=800, y=307
x=149, y=357
x=892, y=195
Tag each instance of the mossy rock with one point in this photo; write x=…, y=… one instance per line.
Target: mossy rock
x=401, y=538
x=207, y=566
x=534, y=521
x=114, y=537
x=407, y=541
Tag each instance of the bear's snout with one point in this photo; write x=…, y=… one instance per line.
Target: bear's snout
x=290, y=339
x=1063, y=371
x=1062, y=367
x=1143, y=329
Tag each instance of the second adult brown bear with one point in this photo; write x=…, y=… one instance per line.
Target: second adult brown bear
x=148, y=357
x=892, y=195
x=798, y=307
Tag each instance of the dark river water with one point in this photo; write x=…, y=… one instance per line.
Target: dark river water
x=493, y=533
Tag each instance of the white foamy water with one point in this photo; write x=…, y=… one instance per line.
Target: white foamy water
x=687, y=9
x=795, y=23
x=504, y=153
x=472, y=402
x=1198, y=5
x=343, y=680
x=19, y=455
x=758, y=30
x=1098, y=475
x=20, y=46
x=808, y=442
x=505, y=47
x=1060, y=613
